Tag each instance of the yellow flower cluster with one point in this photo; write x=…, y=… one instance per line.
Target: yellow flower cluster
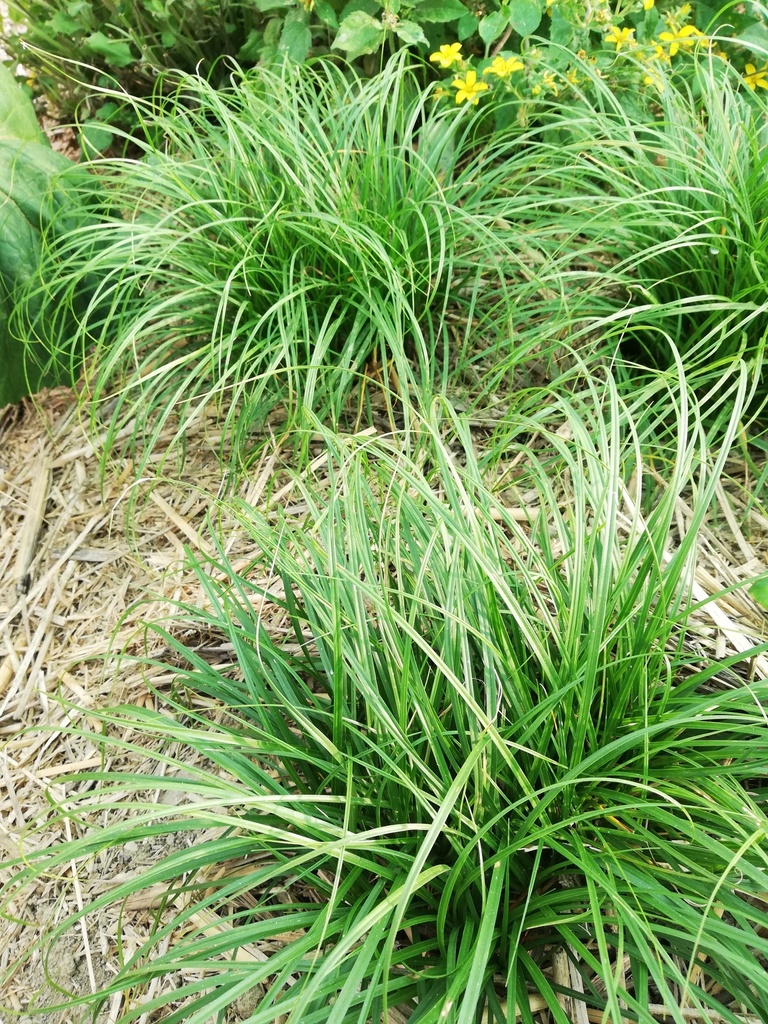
x=678, y=35
x=468, y=87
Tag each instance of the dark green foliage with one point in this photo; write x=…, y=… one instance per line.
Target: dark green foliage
x=36, y=190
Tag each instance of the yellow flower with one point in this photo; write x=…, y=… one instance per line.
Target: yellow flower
x=620, y=36
x=573, y=76
x=504, y=66
x=548, y=79
x=468, y=88
x=535, y=90
x=753, y=77
x=447, y=55
x=648, y=5
x=685, y=36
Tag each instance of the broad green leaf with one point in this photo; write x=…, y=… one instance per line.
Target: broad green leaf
x=560, y=28
x=439, y=10
x=251, y=48
x=82, y=12
x=273, y=31
x=359, y=34
x=524, y=16
x=95, y=134
x=759, y=591
x=168, y=39
x=326, y=13
x=369, y=6
x=19, y=256
x=95, y=137
x=81, y=9
x=467, y=26
x=35, y=196
x=17, y=115
x=492, y=25
x=649, y=26
x=271, y=5
x=295, y=39
x=115, y=52
x=411, y=33
x=62, y=24
x=755, y=36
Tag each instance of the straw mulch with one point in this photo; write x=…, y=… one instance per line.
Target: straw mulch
x=77, y=579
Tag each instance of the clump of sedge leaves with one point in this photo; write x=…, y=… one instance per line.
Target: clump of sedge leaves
x=475, y=766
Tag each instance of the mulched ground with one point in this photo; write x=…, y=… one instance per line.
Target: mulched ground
x=76, y=581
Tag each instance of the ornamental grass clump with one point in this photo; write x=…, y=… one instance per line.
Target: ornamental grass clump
x=289, y=236
x=664, y=214
x=695, y=196
x=306, y=242
x=479, y=766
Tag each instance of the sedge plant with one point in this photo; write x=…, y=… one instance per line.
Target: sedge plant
x=291, y=236
x=479, y=768
x=691, y=197
x=671, y=210
x=305, y=239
